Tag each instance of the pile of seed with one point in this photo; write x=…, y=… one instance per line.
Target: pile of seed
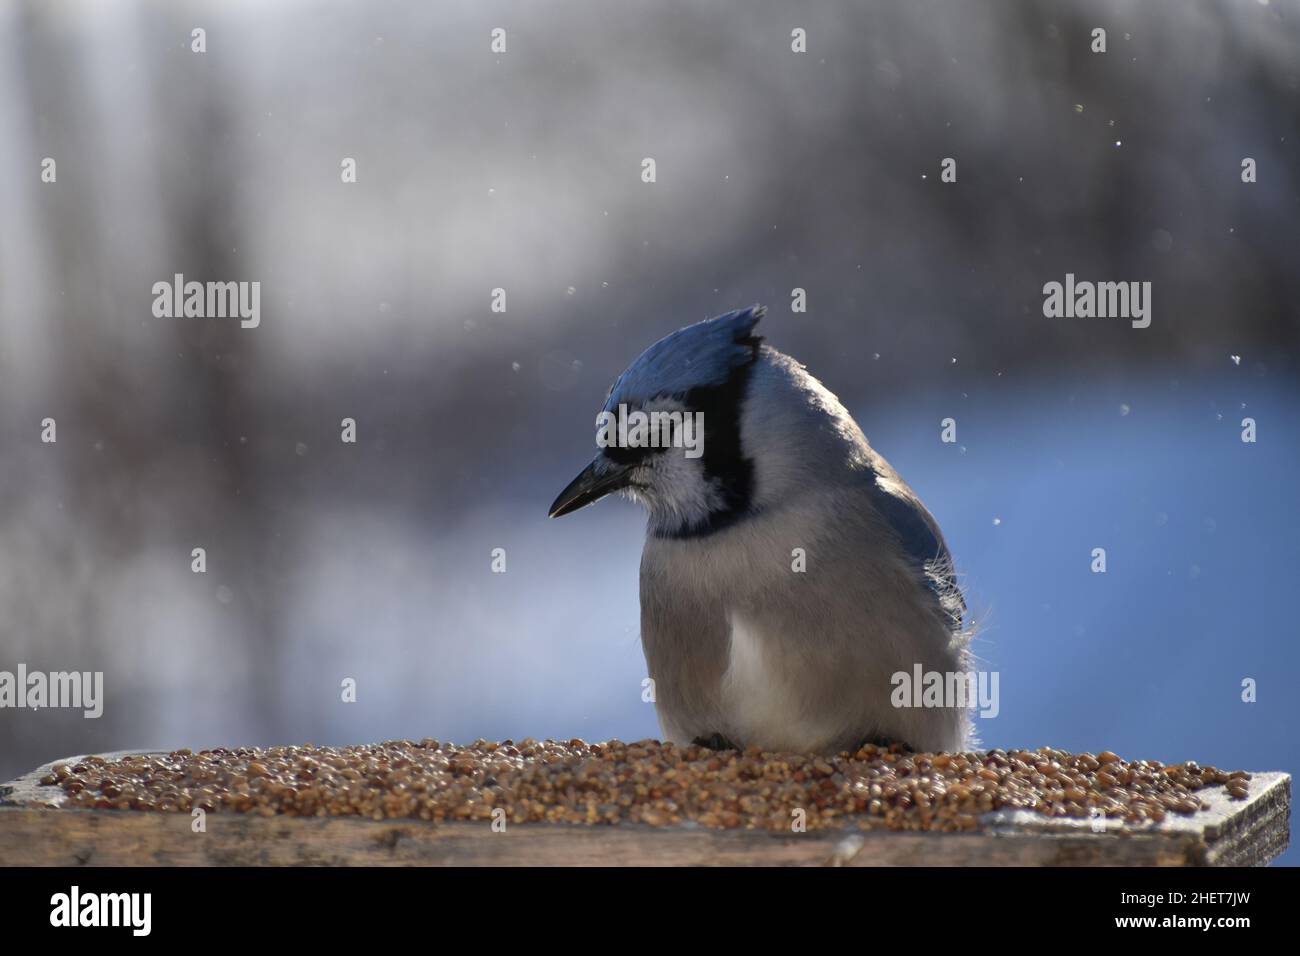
x=646, y=782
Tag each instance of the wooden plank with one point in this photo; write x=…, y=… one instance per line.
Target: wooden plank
x=1230, y=833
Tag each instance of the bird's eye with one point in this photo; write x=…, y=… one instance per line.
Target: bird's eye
x=628, y=456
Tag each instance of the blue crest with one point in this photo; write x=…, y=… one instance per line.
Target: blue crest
x=698, y=356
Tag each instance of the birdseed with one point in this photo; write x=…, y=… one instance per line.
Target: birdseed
x=647, y=782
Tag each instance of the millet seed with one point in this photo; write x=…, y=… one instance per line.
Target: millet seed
x=645, y=782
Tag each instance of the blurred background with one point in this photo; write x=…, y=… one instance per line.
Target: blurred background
x=522, y=170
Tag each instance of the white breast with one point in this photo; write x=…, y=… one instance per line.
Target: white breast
x=760, y=700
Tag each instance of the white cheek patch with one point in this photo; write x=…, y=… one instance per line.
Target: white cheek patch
x=681, y=488
x=674, y=485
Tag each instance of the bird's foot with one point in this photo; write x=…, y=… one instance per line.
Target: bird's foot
x=715, y=742
x=885, y=743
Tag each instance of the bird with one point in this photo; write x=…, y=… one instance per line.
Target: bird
x=789, y=576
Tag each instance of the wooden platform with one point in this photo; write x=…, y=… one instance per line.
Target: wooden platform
x=1247, y=832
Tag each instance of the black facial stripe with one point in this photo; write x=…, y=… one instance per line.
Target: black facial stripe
x=723, y=460
x=629, y=455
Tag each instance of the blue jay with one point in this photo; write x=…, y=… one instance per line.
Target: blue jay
x=788, y=575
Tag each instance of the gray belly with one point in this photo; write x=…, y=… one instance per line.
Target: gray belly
x=784, y=675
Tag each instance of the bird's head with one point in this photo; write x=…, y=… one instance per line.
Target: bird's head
x=669, y=433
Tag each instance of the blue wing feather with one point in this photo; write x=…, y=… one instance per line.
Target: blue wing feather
x=919, y=535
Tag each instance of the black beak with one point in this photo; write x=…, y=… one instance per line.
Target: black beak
x=594, y=482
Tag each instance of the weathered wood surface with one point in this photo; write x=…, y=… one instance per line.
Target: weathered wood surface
x=1247, y=832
